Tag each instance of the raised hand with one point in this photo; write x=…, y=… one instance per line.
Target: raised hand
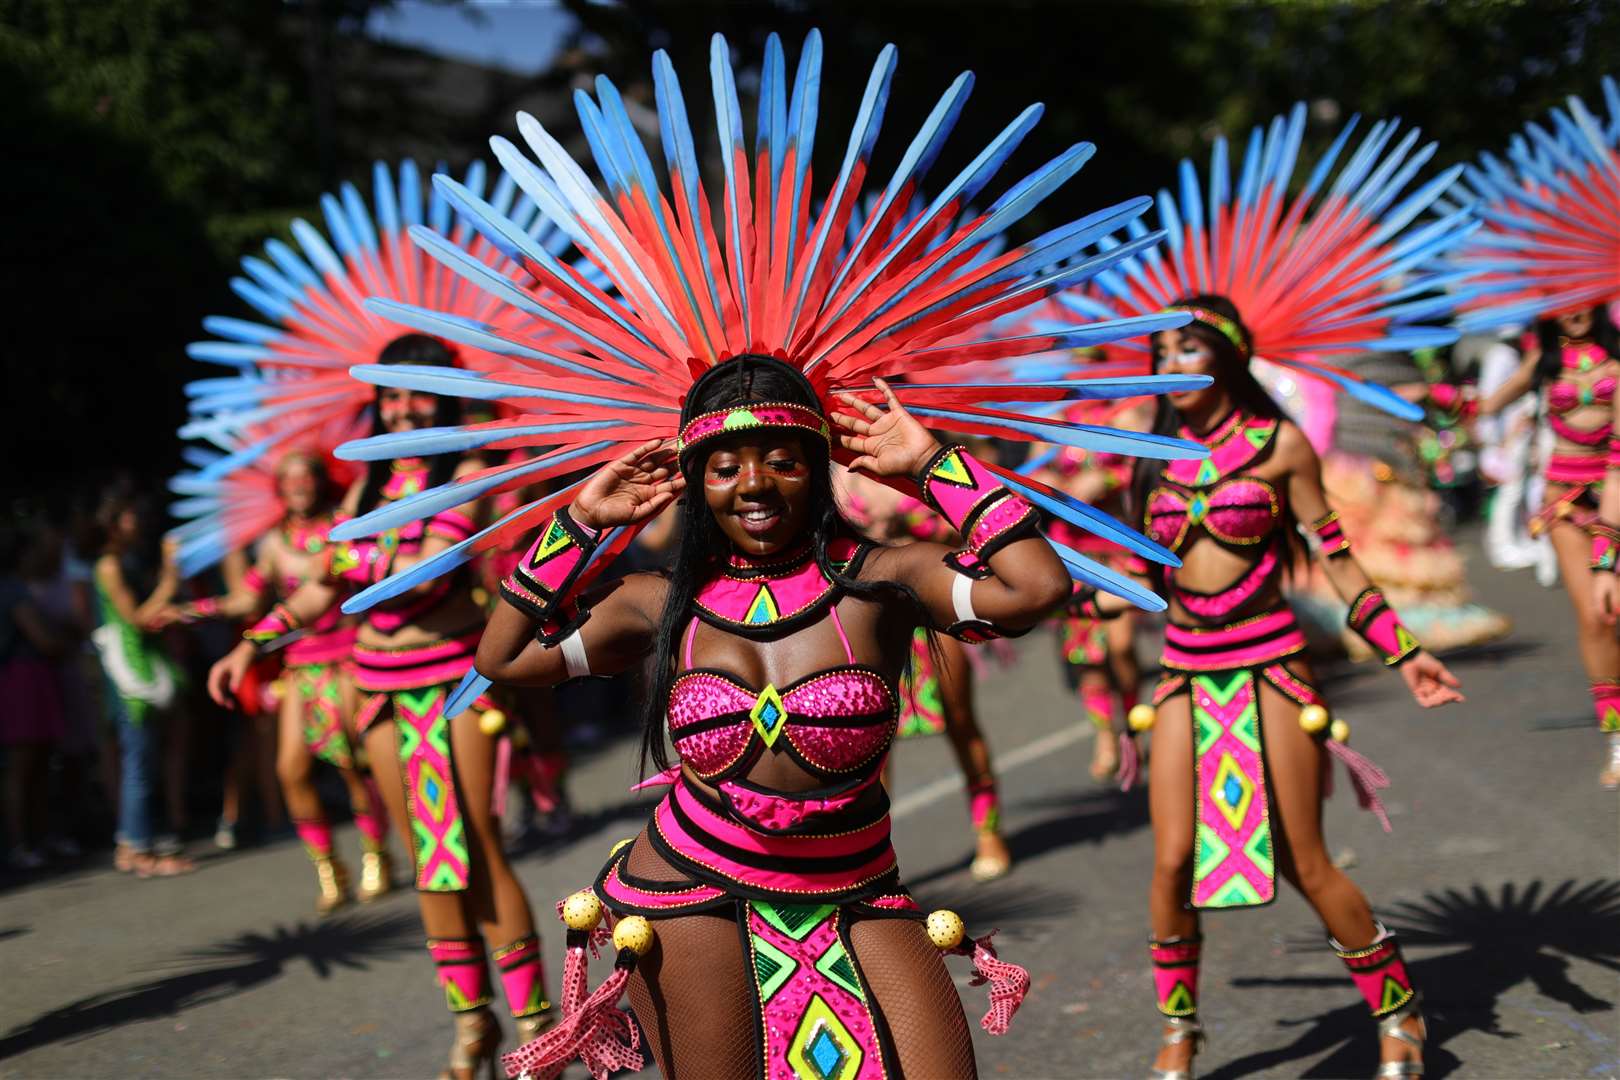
x=1430, y=681
x=225, y=677
x=630, y=489
x=888, y=443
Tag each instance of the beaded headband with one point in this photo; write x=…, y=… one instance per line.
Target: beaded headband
x=763, y=414
x=1216, y=321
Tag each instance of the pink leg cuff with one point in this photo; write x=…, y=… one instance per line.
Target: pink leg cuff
x=462, y=972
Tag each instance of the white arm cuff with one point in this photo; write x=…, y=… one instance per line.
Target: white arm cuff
x=573, y=650
x=962, y=598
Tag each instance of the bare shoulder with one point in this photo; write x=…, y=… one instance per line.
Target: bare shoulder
x=1293, y=448
x=467, y=466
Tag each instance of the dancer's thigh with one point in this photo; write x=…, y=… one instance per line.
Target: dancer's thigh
x=691, y=993
x=915, y=996
x=1171, y=784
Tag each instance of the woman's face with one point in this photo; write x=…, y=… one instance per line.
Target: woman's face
x=406, y=410
x=299, y=487
x=758, y=489
x=1176, y=352
x=1575, y=324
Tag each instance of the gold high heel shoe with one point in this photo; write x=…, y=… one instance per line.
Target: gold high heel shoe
x=376, y=876
x=477, y=1046
x=530, y=1028
x=1389, y=1027
x=1183, y=1029
x=333, y=878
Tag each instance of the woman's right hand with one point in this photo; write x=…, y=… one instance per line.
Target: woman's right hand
x=630, y=489
x=226, y=676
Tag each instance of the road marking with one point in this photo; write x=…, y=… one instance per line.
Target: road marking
x=1017, y=758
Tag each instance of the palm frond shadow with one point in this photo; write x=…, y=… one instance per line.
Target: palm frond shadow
x=218, y=971
x=1496, y=941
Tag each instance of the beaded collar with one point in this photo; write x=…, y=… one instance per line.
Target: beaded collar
x=1581, y=355
x=305, y=534
x=1234, y=444
x=771, y=595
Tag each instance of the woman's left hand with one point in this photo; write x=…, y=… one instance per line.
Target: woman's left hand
x=888, y=443
x=1430, y=681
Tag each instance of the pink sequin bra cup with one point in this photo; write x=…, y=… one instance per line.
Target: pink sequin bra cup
x=1236, y=510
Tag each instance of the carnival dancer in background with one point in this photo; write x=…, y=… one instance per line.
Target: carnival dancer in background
x=438, y=776
x=784, y=936
x=1551, y=253
x=1237, y=711
x=1100, y=654
x=936, y=693
x=315, y=721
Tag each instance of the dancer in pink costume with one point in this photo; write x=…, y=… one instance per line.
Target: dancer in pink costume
x=1297, y=280
x=1550, y=252
x=317, y=701
x=785, y=944
x=439, y=776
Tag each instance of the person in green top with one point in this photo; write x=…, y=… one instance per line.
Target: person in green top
x=142, y=682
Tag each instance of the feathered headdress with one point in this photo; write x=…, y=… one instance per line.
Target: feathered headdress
x=1552, y=236
x=913, y=293
x=1342, y=267
x=292, y=391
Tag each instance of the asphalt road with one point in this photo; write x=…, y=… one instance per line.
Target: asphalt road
x=1501, y=875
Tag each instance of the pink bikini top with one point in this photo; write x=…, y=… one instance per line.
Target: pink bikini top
x=408, y=476
x=832, y=723
x=1566, y=396
x=1208, y=494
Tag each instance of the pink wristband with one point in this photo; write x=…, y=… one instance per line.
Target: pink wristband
x=1331, y=534
x=1376, y=622
x=976, y=504
x=543, y=578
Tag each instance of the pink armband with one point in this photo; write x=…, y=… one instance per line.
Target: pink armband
x=1605, y=545
x=970, y=498
x=1449, y=397
x=1331, y=535
x=1612, y=460
x=198, y=610
x=1375, y=622
x=280, y=622
x=540, y=583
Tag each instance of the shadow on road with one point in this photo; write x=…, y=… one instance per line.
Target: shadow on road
x=1500, y=941
x=219, y=971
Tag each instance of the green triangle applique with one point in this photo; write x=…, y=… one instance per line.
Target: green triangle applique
x=952, y=470
x=1207, y=473
x=1404, y=640
x=1259, y=436
x=794, y=920
x=1394, y=995
x=1180, y=1002
x=1223, y=686
x=772, y=967
x=836, y=965
x=555, y=540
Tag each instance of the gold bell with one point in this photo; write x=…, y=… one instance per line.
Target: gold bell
x=1313, y=718
x=1340, y=731
x=492, y=721
x=582, y=910
x=1141, y=717
x=634, y=933
x=945, y=929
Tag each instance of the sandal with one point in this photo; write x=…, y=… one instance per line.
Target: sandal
x=1105, y=763
x=124, y=858
x=1389, y=1027
x=992, y=864
x=1182, y=1029
x=477, y=1045
x=162, y=866
x=1610, y=778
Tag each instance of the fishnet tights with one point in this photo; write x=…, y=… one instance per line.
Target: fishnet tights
x=692, y=993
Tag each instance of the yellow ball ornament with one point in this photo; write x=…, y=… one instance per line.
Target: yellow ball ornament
x=1141, y=717
x=492, y=721
x=945, y=929
x=620, y=846
x=1313, y=718
x=634, y=933
x=1340, y=731
x=582, y=910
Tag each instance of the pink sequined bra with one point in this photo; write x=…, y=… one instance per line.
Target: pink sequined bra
x=833, y=723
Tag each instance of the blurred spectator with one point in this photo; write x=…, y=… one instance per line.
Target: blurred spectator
x=30, y=705
x=142, y=685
